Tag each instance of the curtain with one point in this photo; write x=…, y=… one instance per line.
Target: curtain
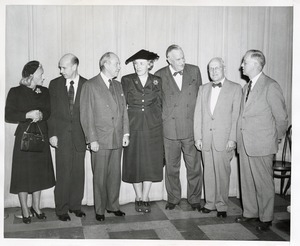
x=45, y=33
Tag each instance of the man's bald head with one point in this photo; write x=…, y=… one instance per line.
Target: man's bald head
x=68, y=66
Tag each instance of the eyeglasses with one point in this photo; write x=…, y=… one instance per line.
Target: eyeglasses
x=216, y=69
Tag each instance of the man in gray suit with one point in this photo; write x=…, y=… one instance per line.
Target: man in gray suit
x=105, y=123
x=262, y=123
x=215, y=121
x=180, y=84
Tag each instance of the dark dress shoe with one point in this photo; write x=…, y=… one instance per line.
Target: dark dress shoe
x=40, y=216
x=100, y=217
x=64, y=217
x=222, y=214
x=146, y=207
x=170, y=206
x=245, y=219
x=138, y=206
x=196, y=206
x=206, y=210
x=116, y=213
x=264, y=226
x=78, y=213
x=26, y=220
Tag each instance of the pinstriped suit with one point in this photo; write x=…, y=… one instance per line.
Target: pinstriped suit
x=215, y=130
x=178, y=116
x=262, y=121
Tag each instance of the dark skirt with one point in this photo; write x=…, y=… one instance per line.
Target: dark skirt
x=31, y=171
x=143, y=158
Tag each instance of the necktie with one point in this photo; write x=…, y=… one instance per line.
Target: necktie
x=111, y=89
x=179, y=72
x=71, y=96
x=249, y=89
x=217, y=85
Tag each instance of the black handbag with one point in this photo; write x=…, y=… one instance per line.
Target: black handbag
x=32, y=141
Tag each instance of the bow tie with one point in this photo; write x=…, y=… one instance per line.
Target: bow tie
x=179, y=72
x=217, y=85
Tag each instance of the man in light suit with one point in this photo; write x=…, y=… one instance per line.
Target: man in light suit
x=215, y=121
x=180, y=85
x=66, y=136
x=105, y=123
x=262, y=123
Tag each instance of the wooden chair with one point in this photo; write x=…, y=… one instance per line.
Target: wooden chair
x=282, y=168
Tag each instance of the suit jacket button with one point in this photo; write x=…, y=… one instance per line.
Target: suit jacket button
x=173, y=118
x=143, y=109
x=210, y=129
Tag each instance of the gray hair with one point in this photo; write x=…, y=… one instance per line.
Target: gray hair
x=258, y=56
x=106, y=57
x=172, y=47
x=219, y=59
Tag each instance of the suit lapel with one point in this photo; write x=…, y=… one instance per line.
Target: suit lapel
x=64, y=89
x=77, y=98
x=186, y=80
x=172, y=82
x=208, y=98
x=149, y=80
x=105, y=93
x=138, y=83
x=256, y=90
x=223, y=94
x=63, y=92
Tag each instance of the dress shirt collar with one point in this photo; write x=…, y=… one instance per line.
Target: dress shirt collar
x=105, y=79
x=254, y=80
x=221, y=81
x=75, y=80
x=173, y=71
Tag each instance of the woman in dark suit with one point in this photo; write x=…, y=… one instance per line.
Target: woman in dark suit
x=31, y=171
x=143, y=158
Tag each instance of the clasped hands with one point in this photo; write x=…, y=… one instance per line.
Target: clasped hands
x=35, y=115
x=231, y=145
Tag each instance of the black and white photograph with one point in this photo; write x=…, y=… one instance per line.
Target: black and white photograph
x=149, y=122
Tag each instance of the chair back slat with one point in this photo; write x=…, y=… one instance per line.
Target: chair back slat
x=287, y=144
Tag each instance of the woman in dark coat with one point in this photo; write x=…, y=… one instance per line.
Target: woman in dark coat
x=143, y=158
x=31, y=171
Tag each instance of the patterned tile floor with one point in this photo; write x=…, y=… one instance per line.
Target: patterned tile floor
x=179, y=224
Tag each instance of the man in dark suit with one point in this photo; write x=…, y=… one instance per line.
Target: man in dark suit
x=180, y=84
x=261, y=125
x=67, y=137
x=105, y=123
x=215, y=121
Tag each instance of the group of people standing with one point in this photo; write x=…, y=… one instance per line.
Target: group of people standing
x=155, y=118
